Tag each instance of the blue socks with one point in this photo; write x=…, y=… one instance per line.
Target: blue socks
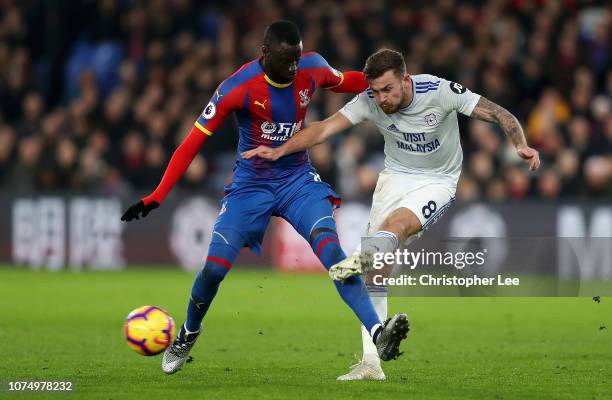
x=355, y=295
x=323, y=238
x=218, y=263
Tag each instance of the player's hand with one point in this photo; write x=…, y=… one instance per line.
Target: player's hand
x=530, y=155
x=139, y=210
x=265, y=152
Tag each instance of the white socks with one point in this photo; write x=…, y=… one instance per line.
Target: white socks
x=382, y=241
x=370, y=354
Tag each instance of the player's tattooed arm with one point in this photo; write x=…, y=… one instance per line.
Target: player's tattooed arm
x=486, y=110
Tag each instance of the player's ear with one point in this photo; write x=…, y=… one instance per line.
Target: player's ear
x=265, y=50
x=406, y=81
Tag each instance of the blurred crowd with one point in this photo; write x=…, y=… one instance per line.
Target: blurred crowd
x=95, y=95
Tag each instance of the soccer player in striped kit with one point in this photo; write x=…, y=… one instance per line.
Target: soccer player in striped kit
x=270, y=97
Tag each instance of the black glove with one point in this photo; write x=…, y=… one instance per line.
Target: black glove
x=138, y=209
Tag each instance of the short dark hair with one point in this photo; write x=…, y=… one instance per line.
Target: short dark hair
x=282, y=32
x=382, y=61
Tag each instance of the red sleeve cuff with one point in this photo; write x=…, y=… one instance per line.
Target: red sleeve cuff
x=352, y=82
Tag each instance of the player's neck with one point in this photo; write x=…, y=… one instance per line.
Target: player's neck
x=270, y=74
x=408, y=98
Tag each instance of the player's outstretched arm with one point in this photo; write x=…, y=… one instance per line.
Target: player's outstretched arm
x=177, y=166
x=352, y=82
x=486, y=110
x=315, y=133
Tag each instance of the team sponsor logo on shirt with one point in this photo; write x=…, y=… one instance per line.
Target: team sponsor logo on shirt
x=280, y=131
x=209, y=111
x=417, y=143
x=268, y=127
x=419, y=147
x=304, y=97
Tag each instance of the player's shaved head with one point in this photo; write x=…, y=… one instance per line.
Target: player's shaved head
x=282, y=32
x=281, y=50
x=382, y=61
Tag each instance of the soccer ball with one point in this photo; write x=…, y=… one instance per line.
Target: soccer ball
x=149, y=330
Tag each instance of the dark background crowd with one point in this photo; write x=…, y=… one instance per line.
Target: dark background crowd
x=95, y=95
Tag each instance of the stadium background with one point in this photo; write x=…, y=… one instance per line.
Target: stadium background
x=98, y=105
x=94, y=97
x=91, y=110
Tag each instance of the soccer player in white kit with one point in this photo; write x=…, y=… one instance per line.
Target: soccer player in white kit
x=417, y=115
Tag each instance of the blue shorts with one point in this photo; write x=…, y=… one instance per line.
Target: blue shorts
x=247, y=207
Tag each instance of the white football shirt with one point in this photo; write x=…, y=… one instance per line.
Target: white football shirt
x=423, y=137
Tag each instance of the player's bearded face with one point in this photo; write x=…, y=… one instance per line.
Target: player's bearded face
x=390, y=92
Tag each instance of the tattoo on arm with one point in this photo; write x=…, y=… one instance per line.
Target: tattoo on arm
x=488, y=111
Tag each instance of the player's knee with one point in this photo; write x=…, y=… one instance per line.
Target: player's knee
x=214, y=272
x=403, y=223
x=320, y=233
x=323, y=226
x=207, y=283
x=324, y=229
x=404, y=227
x=326, y=246
x=220, y=259
x=229, y=237
x=210, y=276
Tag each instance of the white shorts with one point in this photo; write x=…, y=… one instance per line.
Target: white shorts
x=427, y=198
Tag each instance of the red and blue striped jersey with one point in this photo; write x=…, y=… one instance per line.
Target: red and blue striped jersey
x=268, y=113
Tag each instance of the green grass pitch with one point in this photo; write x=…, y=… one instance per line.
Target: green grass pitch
x=277, y=336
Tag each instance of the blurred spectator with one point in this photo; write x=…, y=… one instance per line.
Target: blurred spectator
x=549, y=184
x=8, y=138
x=568, y=167
x=497, y=190
x=481, y=167
x=467, y=188
x=98, y=104
x=33, y=108
x=23, y=174
x=597, y=173
x=518, y=182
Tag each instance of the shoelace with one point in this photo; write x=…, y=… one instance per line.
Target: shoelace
x=359, y=362
x=179, y=348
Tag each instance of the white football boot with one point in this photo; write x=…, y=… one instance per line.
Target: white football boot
x=363, y=371
x=356, y=264
x=392, y=333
